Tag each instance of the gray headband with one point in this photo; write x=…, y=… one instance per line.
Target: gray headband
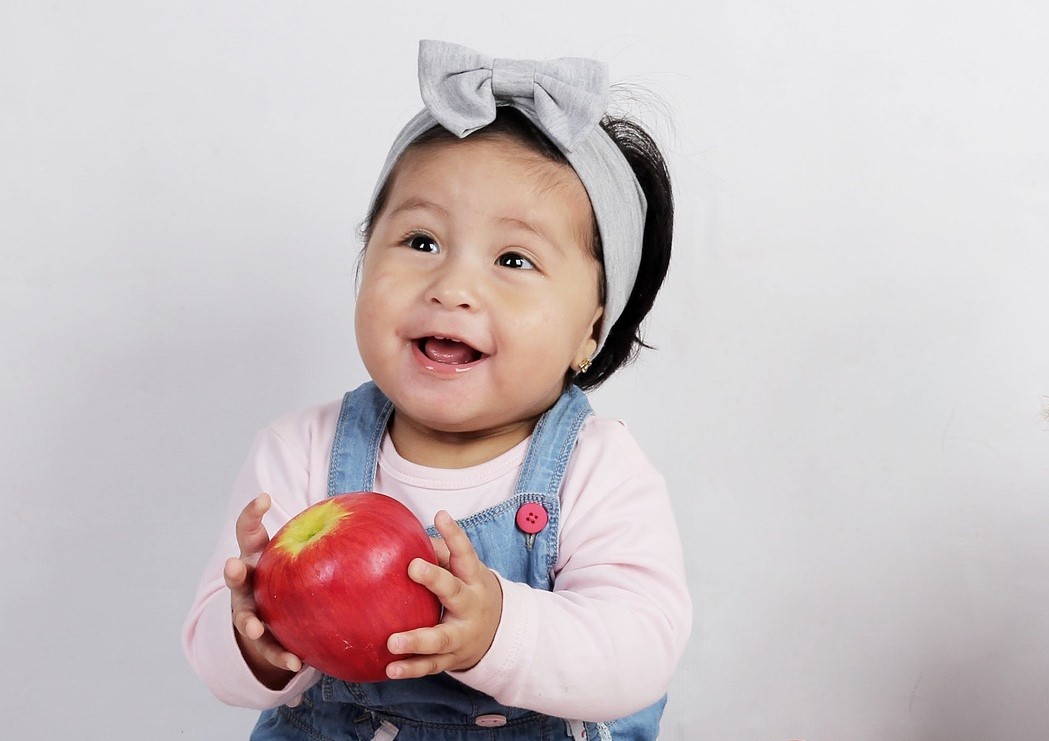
x=565, y=99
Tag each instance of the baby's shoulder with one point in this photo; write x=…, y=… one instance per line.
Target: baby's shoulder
x=608, y=473
x=608, y=443
x=306, y=427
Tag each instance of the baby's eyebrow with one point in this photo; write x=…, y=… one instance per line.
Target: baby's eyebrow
x=534, y=228
x=414, y=204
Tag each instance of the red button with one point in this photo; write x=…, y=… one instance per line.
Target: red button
x=532, y=517
x=490, y=721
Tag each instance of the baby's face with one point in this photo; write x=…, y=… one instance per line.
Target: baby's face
x=479, y=289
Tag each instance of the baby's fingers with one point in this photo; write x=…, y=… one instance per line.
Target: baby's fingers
x=440, y=549
x=265, y=645
x=425, y=651
x=242, y=601
x=235, y=574
x=462, y=558
x=430, y=641
x=445, y=585
x=246, y=622
x=276, y=654
x=420, y=666
x=251, y=533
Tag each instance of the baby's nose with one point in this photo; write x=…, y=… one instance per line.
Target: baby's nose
x=455, y=286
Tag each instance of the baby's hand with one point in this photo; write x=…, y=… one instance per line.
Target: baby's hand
x=473, y=605
x=270, y=662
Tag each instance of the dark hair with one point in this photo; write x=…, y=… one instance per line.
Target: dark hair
x=624, y=339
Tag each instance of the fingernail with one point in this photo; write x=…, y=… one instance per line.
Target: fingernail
x=418, y=568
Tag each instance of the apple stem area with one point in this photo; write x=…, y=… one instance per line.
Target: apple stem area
x=309, y=526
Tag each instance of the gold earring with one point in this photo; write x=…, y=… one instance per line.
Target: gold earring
x=585, y=365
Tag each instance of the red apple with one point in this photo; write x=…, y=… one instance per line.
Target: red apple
x=332, y=585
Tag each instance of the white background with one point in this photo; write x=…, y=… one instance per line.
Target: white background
x=848, y=399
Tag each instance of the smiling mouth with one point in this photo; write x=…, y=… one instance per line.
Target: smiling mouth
x=448, y=351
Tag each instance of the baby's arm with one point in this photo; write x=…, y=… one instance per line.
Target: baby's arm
x=219, y=634
x=606, y=641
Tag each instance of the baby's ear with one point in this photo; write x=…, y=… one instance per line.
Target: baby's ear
x=589, y=344
x=595, y=326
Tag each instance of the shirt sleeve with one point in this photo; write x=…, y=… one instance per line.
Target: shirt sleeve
x=606, y=641
x=282, y=471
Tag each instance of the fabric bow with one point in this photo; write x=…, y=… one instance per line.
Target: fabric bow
x=462, y=88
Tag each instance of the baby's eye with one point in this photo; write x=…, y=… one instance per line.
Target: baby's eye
x=515, y=260
x=423, y=243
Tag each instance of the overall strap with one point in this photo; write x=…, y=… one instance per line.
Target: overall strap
x=366, y=411
x=358, y=437
x=553, y=441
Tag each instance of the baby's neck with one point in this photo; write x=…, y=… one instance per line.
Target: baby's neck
x=425, y=446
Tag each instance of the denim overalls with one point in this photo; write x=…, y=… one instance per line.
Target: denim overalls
x=438, y=707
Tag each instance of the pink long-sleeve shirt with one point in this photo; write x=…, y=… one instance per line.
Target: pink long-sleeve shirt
x=603, y=644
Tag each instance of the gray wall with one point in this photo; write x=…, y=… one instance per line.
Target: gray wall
x=848, y=399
